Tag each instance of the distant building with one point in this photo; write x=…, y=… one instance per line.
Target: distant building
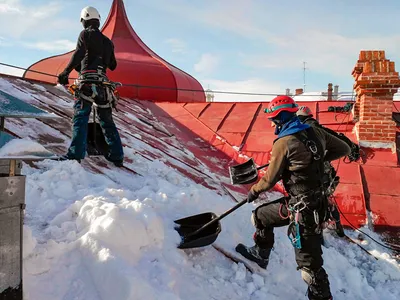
x=209, y=95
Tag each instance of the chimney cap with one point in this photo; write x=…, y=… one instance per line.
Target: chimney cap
x=299, y=91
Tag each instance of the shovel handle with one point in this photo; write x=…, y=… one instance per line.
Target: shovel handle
x=218, y=218
x=263, y=166
x=94, y=127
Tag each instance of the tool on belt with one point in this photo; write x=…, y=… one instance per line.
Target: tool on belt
x=92, y=80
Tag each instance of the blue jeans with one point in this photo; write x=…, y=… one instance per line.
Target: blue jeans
x=77, y=149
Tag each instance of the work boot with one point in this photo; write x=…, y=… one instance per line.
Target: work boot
x=312, y=296
x=117, y=163
x=339, y=230
x=258, y=255
x=66, y=157
x=318, y=284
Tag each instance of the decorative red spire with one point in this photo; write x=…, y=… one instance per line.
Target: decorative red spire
x=137, y=65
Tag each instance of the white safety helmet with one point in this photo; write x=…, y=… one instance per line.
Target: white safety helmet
x=89, y=13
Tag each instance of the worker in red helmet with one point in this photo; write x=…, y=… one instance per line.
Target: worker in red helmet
x=297, y=159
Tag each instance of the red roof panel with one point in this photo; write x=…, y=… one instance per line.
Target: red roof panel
x=215, y=114
x=385, y=210
x=240, y=118
x=196, y=108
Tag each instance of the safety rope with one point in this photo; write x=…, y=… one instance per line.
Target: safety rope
x=170, y=88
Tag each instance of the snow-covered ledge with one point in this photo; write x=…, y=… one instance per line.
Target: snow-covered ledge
x=378, y=145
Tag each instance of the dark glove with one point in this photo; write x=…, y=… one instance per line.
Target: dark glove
x=355, y=153
x=251, y=196
x=63, y=78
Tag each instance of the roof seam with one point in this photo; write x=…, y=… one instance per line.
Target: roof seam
x=225, y=117
x=247, y=134
x=204, y=109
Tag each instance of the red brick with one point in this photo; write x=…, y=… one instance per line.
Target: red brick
x=363, y=81
x=365, y=136
x=362, y=55
x=385, y=66
x=371, y=118
x=369, y=74
x=391, y=66
x=381, y=126
x=383, y=107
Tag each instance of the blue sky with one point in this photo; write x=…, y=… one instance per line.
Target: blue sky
x=237, y=45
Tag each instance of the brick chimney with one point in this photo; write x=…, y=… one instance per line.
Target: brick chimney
x=330, y=89
x=376, y=81
x=299, y=91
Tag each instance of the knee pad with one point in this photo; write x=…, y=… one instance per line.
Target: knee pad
x=253, y=219
x=308, y=276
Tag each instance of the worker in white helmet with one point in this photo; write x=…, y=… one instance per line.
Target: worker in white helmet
x=94, y=54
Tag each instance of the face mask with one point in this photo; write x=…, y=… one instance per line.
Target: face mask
x=278, y=125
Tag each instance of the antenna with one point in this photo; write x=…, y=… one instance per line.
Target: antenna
x=304, y=76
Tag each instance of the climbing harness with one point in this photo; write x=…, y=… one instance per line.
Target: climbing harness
x=315, y=200
x=92, y=80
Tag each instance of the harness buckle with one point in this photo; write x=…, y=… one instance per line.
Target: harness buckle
x=298, y=206
x=314, y=149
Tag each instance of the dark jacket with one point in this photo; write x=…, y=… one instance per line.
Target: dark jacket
x=93, y=49
x=290, y=156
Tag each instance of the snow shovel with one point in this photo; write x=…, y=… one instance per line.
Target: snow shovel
x=201, y=230
x=245, y=173
x=96, y=143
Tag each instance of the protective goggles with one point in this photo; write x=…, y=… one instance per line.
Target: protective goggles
x=270, y=111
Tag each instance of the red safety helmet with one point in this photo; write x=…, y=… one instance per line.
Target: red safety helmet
x=279, y=104
x=304, y=111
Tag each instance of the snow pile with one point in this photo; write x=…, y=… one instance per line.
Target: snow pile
x=87, y=237
x=24, y=147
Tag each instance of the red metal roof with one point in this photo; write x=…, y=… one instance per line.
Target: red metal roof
x=220, y=135
x=137, y=65
x=241, y=131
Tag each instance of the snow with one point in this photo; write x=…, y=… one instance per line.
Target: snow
x=378, y=145
x=24, y=147
x=90, y=236
x=93, y=238
x=39, y=87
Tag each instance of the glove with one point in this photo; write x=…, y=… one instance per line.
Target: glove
x=63, y=78
x=251, y=196
x=355, y=153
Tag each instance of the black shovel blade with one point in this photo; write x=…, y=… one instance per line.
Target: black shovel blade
x=96, y=145
x=203, y=238
x=244, y=173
